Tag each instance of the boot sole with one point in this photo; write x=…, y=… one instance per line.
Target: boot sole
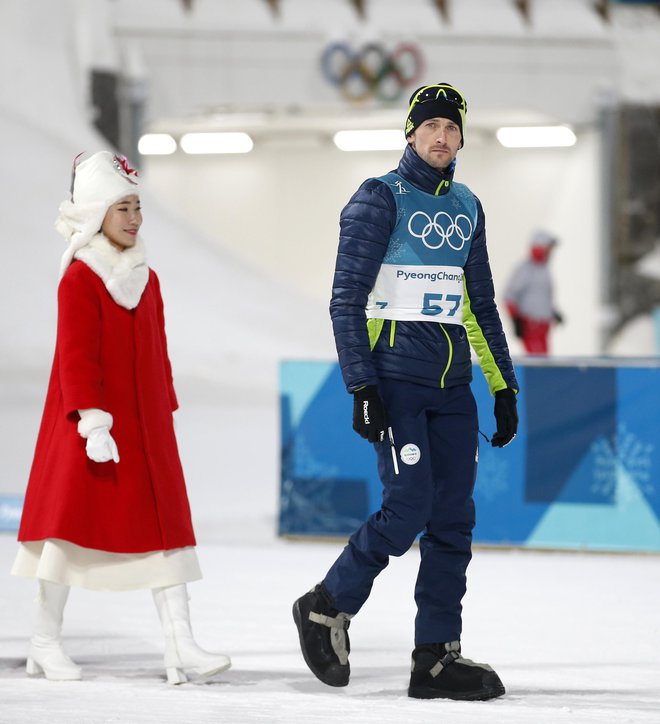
x=204, y=675
x=326, y=677
x=34, y=669
x=178, y=675
x=425, y=692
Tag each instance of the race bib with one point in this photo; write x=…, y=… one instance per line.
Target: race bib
x=418, y=293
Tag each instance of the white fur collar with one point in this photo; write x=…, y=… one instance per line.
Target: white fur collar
x=124, y=273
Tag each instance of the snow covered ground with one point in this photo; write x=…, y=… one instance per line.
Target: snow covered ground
x=574, y=637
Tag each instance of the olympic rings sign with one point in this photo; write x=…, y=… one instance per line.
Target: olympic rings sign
x=450, y=230
x=372, y=70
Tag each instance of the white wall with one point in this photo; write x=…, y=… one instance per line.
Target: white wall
x=227, y=326
x=278, y=210
x=228, y=55
x=555, y=189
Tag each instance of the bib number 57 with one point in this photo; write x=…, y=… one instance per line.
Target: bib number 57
x=433, y=309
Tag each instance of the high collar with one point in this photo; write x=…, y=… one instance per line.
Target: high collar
x=124, y=273
x=424, y=177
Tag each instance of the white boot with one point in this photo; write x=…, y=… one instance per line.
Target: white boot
x=45, y=654
x=181, y=650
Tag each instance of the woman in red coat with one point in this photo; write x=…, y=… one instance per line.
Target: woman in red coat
x=106, y=504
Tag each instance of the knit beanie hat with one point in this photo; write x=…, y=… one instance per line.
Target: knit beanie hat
x=543, y=238
x=440, y=100
x=96, y=183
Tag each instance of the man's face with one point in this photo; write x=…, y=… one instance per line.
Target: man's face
x=436, y=141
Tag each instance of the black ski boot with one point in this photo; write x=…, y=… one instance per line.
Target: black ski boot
x=323, y=633
x=440, y=672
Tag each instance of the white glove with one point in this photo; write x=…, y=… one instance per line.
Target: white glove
x=95, y=426
x=101, y=446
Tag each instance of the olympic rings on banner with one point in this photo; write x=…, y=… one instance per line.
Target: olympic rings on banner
x=372, y=70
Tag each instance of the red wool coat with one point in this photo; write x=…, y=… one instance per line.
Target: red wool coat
x=114, y=359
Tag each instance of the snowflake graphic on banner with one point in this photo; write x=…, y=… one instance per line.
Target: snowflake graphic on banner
x=626, y=449
x=494, y=475
x=309, y=466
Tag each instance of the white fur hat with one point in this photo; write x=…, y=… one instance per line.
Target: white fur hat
x=98, y=182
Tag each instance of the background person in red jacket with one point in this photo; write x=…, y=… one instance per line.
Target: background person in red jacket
x=529, y=295
x=106, y=505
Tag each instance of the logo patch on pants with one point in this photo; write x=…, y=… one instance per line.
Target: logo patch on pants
x=410, y=454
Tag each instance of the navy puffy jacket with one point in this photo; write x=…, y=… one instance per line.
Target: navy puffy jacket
x=427, y=353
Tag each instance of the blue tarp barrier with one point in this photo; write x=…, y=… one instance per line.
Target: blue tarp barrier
x=583, y=472
x=11, y=507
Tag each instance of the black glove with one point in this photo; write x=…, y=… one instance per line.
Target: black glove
x=518, y=326
x=369, y=418
x=506, y=416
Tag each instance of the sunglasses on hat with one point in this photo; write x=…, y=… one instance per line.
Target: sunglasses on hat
x=439, y=91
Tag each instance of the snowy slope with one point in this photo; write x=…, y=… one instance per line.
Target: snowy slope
x=227, y=326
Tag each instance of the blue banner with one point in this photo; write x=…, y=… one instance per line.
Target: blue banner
x=11, y=507
x=583, y=472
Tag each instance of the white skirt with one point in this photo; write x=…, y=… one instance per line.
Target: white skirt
x=62, y=562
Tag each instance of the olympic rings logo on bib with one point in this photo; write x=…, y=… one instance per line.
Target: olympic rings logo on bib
x=441, y=228
x=410, y=454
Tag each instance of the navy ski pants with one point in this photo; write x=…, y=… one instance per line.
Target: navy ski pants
x=432, y=495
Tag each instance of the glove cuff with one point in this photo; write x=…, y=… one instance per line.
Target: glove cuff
x=365, y=391
x=506, y=392
x=91, y=419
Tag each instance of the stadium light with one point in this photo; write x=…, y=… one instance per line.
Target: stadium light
x=536, y=136
x=381, y=140
x=201, y=143
x=156, y=144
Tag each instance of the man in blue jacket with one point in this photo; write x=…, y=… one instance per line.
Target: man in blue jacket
x=412, y=292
